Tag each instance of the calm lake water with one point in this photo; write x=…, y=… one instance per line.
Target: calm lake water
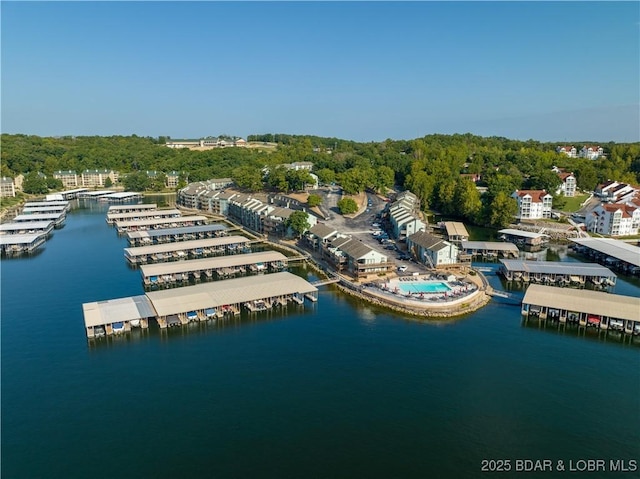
x=338, y=389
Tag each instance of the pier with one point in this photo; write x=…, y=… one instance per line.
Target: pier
x=187, y=250
x=222, y=267
x=15, y=244
x=172, y=235
x=131, y=208
x=596, y=309
x=560, y=273
x=490, y=249
x=125, y=226
x=57, y=218
x=615, y=253
x=202, y=302
x=120, y=217
x=29, y=227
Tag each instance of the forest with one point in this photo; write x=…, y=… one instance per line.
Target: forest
x=430, y=166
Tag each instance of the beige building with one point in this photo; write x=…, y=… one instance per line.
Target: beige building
x=98, y=177
x=7, y=188
x=69, y=178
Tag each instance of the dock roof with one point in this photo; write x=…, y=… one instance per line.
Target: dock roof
x=99, y=313
x=455, y=228
x=177, y=231
x=33, y=225
x=118, y=216
x=584, y=301
x=612, y=247
x=122, y=195
x=159, y=221
x=521, y=233
x=20, y=239
x=489, y=245
x=30, y=204
x=227, y=292
x=210, y=263
x=558, y=267
x=140, y=207
x=183, y=245
x=43, y=209
x=39, y=217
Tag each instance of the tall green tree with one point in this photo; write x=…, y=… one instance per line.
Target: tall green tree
x=467, y=200
x=298, y=221
x=34, y=184
x=502, y=210
x=347, y=206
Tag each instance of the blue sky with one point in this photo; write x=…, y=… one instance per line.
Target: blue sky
x=364, y=71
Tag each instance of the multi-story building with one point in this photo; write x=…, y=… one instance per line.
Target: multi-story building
x=570, y=151
x=432, y=250
x=199, y=195
x=614, y=219
x=69, y=178
x=533, y=204
x=7, y=187
x=352, y=255
x=98, y=177
x=172, y=179
x=591, y=152
x=614, y=191
x=568, y=185
x=403, y=215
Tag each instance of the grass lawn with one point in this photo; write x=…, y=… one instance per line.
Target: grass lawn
x=573, y=204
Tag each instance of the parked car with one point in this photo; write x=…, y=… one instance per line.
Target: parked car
x=402, y=268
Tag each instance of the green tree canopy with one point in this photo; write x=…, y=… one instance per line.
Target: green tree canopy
x=347, y=206
x=298, y=221
x=34, y=184
x=314, y=200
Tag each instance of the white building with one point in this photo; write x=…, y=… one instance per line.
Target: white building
x=568, y=185
x=432, y=250
x=403, y=215
x=591, y=152
x=570, y=151
x=614, y=191
x=614, y=219
x=533, y=204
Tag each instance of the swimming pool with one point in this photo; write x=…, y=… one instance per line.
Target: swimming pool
x=423, y=287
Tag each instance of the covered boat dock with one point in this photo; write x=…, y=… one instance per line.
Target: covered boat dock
x=29, y=210
x=92, y=195
x=586, y=308
x=148, y=224
x=523, y=238
x=490, y=249
x=35, y=204
x=611, y=252
x=215, y=300
x=119, y=216
x=116, y=316
x=21, y=243
x=132, y=208
x=57, y=218
x=71, y=194
x=187, y=249
x=557, y=272
x=171, y=235
x=37, y=227
x=121, y=197
x=456, y=232
x=180, y=272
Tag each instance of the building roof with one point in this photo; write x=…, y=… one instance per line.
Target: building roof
x=184, y=245
x=230, y=261
x=490, y=245
x=536, y=195
x=455, y=228
x=558, y=267
x=322, y=231
x=99, y=313
x=563, y=176
x=428, y=241
x=612, y=247
x=227, y=292
x=176, y=231
x=584, y=301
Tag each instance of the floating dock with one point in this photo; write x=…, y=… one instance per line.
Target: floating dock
x=172, y=235
x=148, y=224
x=524, y=238
x=121, y=197
x=490, y=249
x=456, y=232
x=92, y=195
x=187, y=250
x=557, y=272
x=615, y=253
x=21, y=243
x=29, y=210
x=202, y=302
x=120, y=217
x=70, y=194
x=132, y=208
x=36, y=204
x=57, y=218
x=180, y=272
x=586, y=308
x=29, y=227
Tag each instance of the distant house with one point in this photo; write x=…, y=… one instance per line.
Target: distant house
x=533, y=204
x=69, y=178
x=475, y=177
x=591, y=152
x=182, y=143
x=7, y=187
x=570, y=151
x=172, y=179
x=568, y=185
x=98, y=177
x=432, y=250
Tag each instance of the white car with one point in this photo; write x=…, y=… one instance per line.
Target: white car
x=402, y=268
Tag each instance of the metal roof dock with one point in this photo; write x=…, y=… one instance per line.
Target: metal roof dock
x=166, y=274
x=57, y=218
x=121, y=197
x=132, y=208
x=524, y=237
x=94, y=194
x=169, y=235
x=456, y=231
x=43, y=209
x=21, y=243
x=186, y=249
x=587, y=308
x=124, y=226
x=612, y=252
x=35, y=204
x=559, y=272
x=112, y=217
x=490, y=248
x=116, y=315
x=39, y=227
